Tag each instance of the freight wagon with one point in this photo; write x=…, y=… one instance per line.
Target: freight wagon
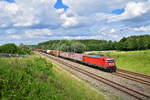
x=73, y=56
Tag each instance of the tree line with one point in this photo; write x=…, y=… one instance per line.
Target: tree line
x=141, y=42
x=134, y=43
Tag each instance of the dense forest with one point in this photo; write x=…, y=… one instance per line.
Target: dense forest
x=14, y=49
x=141, y=42
x=63, y=45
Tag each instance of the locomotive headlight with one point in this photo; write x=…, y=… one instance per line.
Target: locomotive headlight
x=110, y=63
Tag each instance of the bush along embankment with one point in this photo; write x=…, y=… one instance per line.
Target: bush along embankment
x=14, y=49
x=34, y=78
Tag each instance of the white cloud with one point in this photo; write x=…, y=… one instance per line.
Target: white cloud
x=108, y=32
x=38, y=33
x=112, y=30
x=98, y=37
x=60, y=11
x=132, y=10
x=69, y=19
x=28, y=34
x=15, y=37
x=3, y=25
x=8, y=9
x=14, y=13
x=143, y=28
x=28, y=12
x=10, y=31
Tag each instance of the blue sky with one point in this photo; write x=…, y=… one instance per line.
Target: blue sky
x=60, y=5
x=118, y=11
x=9, y=1
x=34, y=21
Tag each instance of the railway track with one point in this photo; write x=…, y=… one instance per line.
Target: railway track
x=136, y=94
x=134, y=73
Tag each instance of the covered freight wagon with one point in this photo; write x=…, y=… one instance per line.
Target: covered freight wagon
x=48, y=51
x=70, y=55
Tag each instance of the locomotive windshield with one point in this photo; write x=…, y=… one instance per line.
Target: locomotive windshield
x=110, y=60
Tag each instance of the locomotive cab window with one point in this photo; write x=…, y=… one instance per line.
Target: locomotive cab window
x=110, y=60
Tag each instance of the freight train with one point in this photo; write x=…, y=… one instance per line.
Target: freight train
x=103, y=62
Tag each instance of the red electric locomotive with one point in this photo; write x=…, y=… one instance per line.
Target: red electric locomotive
x=107, y=63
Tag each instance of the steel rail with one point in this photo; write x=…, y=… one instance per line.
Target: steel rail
x=142, y=81
x=134, y=73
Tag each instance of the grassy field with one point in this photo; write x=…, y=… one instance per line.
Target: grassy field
x=137, y=61
x=35, y=78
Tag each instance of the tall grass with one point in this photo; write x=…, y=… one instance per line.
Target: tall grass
x=137, y=61
x=34, y=78
x=25, y=78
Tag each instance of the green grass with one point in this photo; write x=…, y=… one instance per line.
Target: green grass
x=136, y=61
x=35, y=78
